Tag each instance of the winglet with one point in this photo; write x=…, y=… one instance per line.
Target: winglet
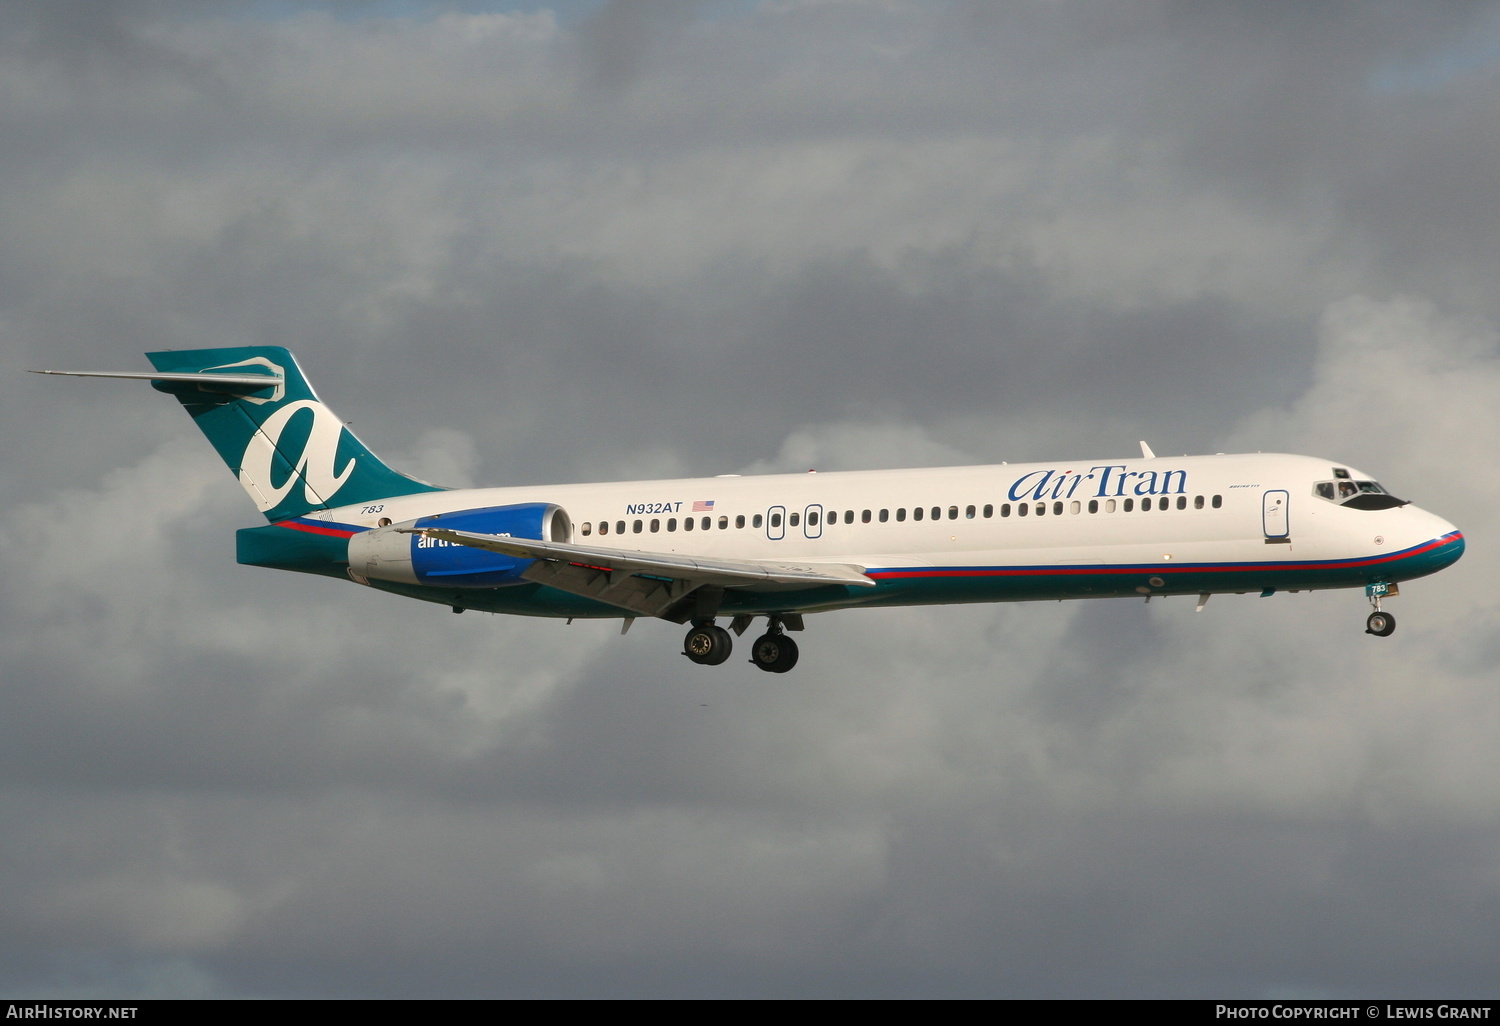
x=1146, y=452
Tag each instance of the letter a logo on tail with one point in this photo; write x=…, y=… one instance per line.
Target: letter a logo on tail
x=314, y=467
x=279, y=436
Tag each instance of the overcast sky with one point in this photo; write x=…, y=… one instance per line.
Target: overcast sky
x=521, y=243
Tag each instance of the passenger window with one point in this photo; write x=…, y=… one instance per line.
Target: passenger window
x=989, y=511
x=672, y=524
x=1109, y=505
x=604, y=527
x=636, y=527
x=620, y=526
x=916, y=514
x=1076, y=507
x=1041, y=509
x=586, y=529
x=739, y=521
x=968, y=512
x=755, y=521
x=723, y=523
x=1022, y=509
x=707, y=523
x=1182, y=502
x=1093, y=505
x=1218, y=501
x=655, y=526
x=900, y=514
x=793, y=519
x=775, y=520
x=1005, y=509
x=953, y=512
x=864, y=517
x=937, y=512
x=1057, y=509
x=885, y=515
x=1129, y=505
x=849, y=516
x=833, y=517
x=1197, y=502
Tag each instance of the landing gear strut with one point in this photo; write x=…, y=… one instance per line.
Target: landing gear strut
x=1379, y=623
x=708, y=644
x=773, y=651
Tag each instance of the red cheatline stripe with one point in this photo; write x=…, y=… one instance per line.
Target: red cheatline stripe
x=310, y=528
x=1152, y=568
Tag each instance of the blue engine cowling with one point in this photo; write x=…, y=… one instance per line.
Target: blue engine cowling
x=390, y=554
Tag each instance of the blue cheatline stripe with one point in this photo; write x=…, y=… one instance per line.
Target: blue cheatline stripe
x=1162, y=569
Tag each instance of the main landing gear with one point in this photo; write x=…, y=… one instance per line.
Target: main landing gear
x=773, y=651
x=1379, y=623
x=709, y=644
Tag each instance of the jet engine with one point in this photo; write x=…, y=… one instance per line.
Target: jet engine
x=389, y=554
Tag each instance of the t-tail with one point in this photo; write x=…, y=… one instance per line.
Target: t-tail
x=292, y=455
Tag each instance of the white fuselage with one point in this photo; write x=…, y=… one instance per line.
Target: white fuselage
x=1195, y=524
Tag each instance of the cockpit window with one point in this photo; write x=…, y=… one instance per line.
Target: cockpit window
x=1356, y=494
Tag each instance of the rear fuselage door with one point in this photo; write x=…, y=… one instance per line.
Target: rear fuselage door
x=1273, y=513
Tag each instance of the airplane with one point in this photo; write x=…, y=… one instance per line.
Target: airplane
x=781, y=546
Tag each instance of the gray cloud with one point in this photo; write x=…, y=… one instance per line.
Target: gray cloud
x=631, y=240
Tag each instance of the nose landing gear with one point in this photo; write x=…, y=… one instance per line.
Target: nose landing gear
x=1379, y=623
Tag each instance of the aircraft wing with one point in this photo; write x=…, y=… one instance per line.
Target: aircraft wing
x=648, y=583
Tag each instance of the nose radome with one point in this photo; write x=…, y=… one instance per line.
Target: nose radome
x=1436, y=529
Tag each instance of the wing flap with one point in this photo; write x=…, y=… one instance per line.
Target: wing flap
x=647, y=583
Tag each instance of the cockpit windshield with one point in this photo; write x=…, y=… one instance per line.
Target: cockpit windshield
x=1346, y=491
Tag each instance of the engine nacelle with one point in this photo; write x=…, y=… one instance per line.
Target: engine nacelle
x=388, y=554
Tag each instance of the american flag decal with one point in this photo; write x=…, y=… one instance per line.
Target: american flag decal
x=703, y=507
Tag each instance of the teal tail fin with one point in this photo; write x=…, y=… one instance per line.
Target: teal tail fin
x=289, y=451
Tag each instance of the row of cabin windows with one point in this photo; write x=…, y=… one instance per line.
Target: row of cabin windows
x=1020, y=509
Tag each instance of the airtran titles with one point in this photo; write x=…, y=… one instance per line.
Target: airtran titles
x=1105, y=480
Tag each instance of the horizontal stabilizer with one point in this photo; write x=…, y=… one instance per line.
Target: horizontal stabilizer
x=207, y=380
